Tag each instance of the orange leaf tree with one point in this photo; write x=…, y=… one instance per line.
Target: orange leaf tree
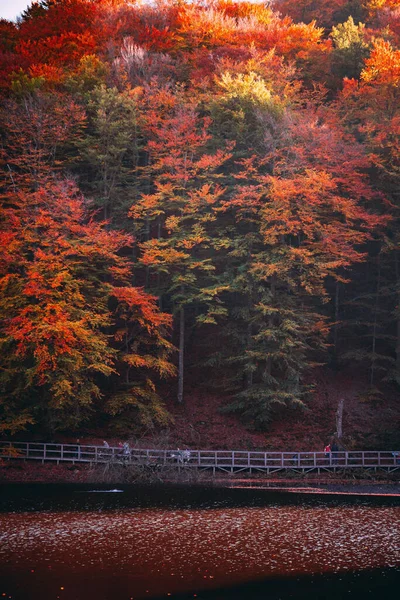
x=70, y=319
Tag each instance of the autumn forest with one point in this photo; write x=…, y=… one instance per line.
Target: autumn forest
x=203, y=191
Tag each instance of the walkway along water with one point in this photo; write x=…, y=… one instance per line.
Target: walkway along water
x=228, y=461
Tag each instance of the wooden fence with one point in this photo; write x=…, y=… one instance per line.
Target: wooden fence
x=230, y=461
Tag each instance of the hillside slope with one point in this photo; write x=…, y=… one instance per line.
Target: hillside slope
x=369, y=421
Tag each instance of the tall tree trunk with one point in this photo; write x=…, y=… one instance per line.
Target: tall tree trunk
x=249, y=374
x=181, y=353
x=398, y=318
x=147, y=237
x=336, y=326
x=339, y=419
x=158, y=273
x=375, y=325
x=268, y=366
x=398, y=348
x=249, y=335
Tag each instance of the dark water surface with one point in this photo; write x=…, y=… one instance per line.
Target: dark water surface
x=82, y=543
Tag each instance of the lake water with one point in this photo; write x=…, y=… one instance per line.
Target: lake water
x=71, y=543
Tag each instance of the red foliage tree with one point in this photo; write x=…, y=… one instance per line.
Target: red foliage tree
x=59, y=273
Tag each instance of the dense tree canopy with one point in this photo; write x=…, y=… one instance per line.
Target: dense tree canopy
x=195, y=188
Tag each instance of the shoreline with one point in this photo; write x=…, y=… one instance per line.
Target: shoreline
x=23, y=473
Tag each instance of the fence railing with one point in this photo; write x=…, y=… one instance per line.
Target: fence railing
x=225, y=460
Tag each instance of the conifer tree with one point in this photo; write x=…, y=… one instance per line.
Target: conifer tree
x=175, y=219
x=370, y=110
x=110, y=150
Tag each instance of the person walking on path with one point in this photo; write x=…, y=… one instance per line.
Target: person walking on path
x=327, y=451
x=335, y=450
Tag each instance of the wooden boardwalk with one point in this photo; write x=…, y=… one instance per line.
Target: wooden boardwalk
x=228, y=461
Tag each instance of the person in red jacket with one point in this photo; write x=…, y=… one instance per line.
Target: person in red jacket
x=327, y=451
